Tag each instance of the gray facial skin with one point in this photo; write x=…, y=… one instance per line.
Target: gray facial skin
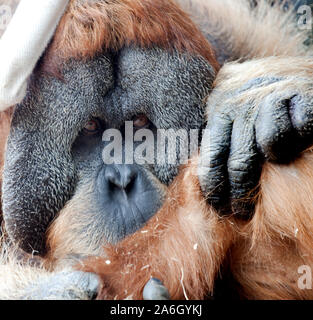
x=48, y=154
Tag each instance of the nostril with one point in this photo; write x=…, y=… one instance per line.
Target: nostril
x=121, y=181
x=130, y=186
x=113, y=185
x=127, y=185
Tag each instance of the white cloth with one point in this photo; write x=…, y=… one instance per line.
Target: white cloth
x=22, y=44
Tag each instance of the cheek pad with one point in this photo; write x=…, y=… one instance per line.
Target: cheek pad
x=38, y=180
x=39, y=171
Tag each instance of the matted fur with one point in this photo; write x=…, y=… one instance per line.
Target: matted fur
x=279, y=238
x=264, y=255
x=184, y=244
x=187, y=247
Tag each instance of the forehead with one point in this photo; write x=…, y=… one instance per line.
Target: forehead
x=117, y=87
x=158, y=82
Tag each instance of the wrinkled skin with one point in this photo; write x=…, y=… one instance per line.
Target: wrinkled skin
x=278, y=127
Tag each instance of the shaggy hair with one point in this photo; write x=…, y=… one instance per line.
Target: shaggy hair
x=183, y=244
x=89, y=27
x=186, y=243
x=278, y=240
x=249, y=33
x=262, y=255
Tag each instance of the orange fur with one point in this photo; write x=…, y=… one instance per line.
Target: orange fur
x=88, y=28
x=279, y=238
x=263, y=255
x=184, y=244
x=5, y=123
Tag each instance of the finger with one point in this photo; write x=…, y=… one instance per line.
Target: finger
x=301, y=114
x=155, y=290
x=67, y=285
x=212, y=168
x=89, y=283
x=275, y=135
x=244, y=167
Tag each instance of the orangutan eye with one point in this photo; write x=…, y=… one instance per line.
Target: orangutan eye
x=141, y=121
x=92, y=127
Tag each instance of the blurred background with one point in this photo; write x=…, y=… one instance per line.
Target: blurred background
x=7, y=8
